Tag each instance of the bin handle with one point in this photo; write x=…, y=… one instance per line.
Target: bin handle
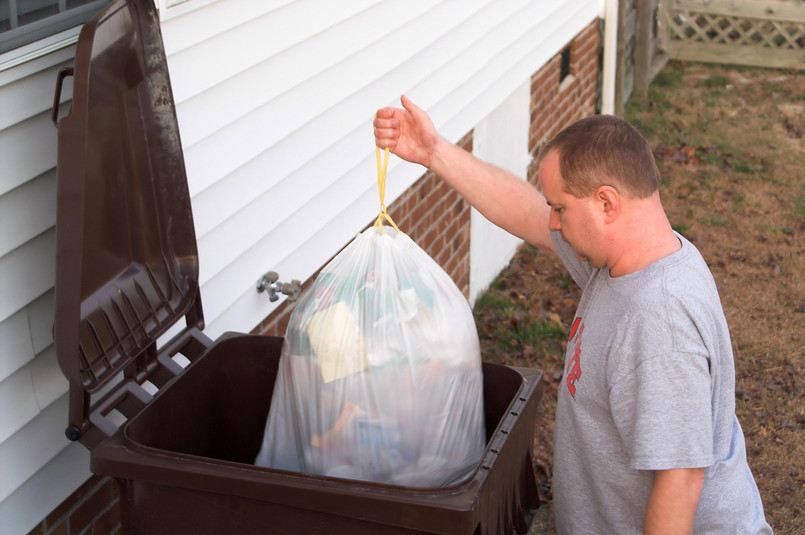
x=63, y=73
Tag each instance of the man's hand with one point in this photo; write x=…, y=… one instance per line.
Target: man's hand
x=673, y=501
x=408, y=133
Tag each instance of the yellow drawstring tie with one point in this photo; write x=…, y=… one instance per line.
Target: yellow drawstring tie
x=381, y=185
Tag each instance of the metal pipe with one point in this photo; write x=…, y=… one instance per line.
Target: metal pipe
x=610, y=12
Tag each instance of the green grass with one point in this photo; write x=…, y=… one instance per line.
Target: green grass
x=668, y=78
x=799, y=206
x=743, y=167
x=711, y=157
x=713, y=221
x=716, y=81
x=681, y=228
x=534, y=332
x=494, y=303
x=738, y=202
x=773, y=87
x=511, y=330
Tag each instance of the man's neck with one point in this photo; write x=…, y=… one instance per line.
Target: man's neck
x=642, y=238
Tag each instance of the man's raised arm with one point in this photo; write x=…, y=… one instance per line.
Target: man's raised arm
x=506, y=200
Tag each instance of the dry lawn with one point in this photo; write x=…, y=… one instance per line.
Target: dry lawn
x=730, y=144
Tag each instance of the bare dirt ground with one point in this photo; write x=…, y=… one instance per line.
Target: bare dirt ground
x=730, y=144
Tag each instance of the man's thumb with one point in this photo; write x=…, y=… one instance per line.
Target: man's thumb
x=412, y=108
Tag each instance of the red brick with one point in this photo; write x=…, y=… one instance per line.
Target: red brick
x=429, y=241
x=61, y=529
x=450, y=267
x=38, y=530
x=63, y=510
x=109, y=521
x=81, y=518
x=419, y=214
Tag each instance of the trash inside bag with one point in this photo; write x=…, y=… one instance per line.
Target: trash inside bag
x=380, y=376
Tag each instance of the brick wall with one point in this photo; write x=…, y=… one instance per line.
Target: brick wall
x=94, y=509
x=431, y=213
x=555, y=105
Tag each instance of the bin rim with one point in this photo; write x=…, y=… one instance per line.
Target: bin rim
x=126, y=459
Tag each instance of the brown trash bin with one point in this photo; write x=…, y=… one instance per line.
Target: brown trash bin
x=180, y=441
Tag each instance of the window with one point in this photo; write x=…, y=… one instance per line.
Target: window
x=25, y=21
x=564, y=67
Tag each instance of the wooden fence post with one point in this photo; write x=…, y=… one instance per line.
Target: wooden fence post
x=620, y=69
x=642, y=60
x=663, y=27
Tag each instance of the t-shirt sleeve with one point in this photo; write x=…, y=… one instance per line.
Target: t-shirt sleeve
x=663, y=412
x=579, y=270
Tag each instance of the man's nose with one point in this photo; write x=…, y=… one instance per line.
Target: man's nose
x=553, y=221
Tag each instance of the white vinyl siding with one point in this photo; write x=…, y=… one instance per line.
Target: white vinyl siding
x=275, y=101
x=287, y=164
x=34, y=454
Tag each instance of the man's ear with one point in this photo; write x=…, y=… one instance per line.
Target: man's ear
x=609, y=201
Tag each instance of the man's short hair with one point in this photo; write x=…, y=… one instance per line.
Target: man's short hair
x=604, y=150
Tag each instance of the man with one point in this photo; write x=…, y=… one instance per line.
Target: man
x=646, y=438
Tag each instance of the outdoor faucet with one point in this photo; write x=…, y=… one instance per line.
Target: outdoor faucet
x=270, y=283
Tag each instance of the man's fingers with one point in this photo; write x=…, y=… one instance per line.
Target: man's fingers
x=386, y=130
x=385, y=124
x=386, y=143
x=389, y=123
x=385, y=113
x=386, y=138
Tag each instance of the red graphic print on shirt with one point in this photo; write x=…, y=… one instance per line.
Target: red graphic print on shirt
x=574, y=364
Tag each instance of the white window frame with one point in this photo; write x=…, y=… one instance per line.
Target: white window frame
x=50, y=43
x=63, y=39
x=32, y=51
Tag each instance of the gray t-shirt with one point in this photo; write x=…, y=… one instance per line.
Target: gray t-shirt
x=649, y=384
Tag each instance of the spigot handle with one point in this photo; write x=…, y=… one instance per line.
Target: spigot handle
x=292, y=289
x=270, y=283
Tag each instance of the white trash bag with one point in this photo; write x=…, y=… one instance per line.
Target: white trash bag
x=380, y=375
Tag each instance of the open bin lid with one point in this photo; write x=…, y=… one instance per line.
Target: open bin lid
x=126, y=254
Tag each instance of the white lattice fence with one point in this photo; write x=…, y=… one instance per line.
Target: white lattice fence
x=768, y=33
